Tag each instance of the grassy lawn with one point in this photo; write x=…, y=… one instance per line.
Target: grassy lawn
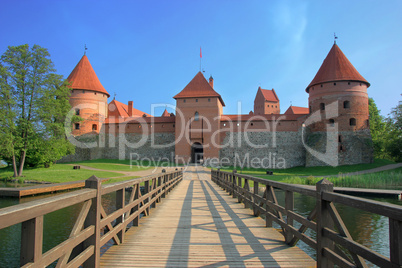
x=56, y=173
x=120, y=165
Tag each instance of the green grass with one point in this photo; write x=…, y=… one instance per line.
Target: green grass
x=121, y=165
x=380, y=180
x=281, y=174
x=56, y=173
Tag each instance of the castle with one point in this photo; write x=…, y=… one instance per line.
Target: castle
x=333, y=130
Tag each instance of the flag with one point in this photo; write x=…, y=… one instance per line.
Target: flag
x=200, y=53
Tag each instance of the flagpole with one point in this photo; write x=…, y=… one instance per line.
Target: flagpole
x=200, y=58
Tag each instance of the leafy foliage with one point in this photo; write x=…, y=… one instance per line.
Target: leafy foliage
x=33, y=106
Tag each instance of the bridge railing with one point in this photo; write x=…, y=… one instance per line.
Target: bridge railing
x=333, y=242
x=93, y=228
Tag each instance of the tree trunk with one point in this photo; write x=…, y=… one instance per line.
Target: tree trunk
x=14, y=167
x=22, y=161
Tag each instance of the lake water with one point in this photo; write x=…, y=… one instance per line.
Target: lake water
x=366, y=228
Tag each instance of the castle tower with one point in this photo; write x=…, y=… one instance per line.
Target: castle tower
x=198, y=111
x=88, y=98
x=338, y=94
x=266, y=102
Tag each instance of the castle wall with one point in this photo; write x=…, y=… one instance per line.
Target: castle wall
x=263, y=149
x=339, y=148
x=153, y=147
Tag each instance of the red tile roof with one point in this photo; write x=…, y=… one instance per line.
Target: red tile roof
x=121, y=110
x=84, y=77
x=336, y=67
x=165, y=113
x=297, y=110
x=198, y=87
x=269, y=95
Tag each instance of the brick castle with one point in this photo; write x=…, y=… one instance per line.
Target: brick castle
x=333, y=130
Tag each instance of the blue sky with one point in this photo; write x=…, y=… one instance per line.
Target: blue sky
x=147, y=51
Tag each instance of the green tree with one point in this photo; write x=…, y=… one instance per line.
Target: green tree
x=379, y=130
x=33, y=106
x=394, y=138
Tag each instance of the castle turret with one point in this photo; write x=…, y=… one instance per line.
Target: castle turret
x=338, y=102
x=88, y=98
x=198, y=110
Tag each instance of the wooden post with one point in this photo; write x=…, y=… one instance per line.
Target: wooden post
x=120, y=203
x=289, y=206
x=146, y=191
x=31, y=240
x=164, y=181
x=239, y=197
x=268, y=219
x=395, y=241
x=255, y=210
x=137, y=207
x=160, y=190
x=93, y=218
x=323, y=220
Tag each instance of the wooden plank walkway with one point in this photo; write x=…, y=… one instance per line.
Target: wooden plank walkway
x=200, y=225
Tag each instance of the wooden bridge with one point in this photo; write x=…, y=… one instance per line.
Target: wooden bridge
x=200, y=224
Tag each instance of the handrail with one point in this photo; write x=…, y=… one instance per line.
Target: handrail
x=332, y=237
x=93, y=227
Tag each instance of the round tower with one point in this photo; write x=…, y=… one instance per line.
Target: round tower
x=338, y=84
x=88, y=98
x=338, y=104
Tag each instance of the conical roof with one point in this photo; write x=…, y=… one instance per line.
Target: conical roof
x=165, y=113
x=198, y=87
x=336, y=67
x=84, y=77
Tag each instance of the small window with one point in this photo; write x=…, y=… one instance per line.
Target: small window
x=341, y=148
x=184, y=100
x=238, y=124
x=95, y=93
x=83, y=91
x=276, y=106
x=252, y=124
x=196, y=100
x=339, y=138
x=352, y=121
x=332, y=122
x=94, y=127
x=346, y=104
x=349, y=83
x=321, y=85
x=196, y=116
x=224, y=124
x=322, y=106
x=334, y=84
x=209, y=100
x=77, y=126
x=77, y=111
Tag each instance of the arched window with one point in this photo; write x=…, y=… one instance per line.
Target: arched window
x=196, y=116
x=77, y=111
x=352, y=121
x=346, y=104
x=94, y=127
x=322, y=106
